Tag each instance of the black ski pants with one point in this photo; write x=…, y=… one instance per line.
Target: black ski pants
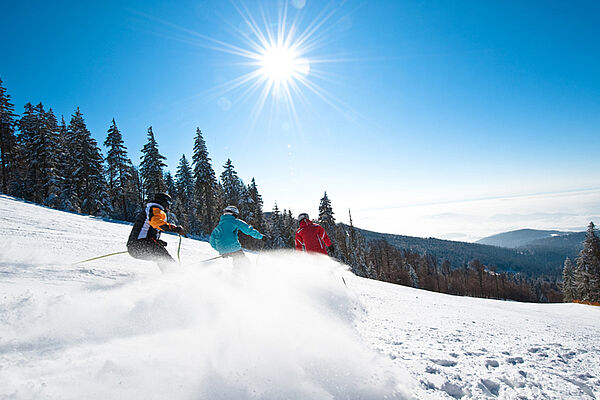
x=149, y=249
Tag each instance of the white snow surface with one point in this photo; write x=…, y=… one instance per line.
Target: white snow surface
x=285, y=327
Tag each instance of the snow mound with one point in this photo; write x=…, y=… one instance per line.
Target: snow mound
x=282, y=328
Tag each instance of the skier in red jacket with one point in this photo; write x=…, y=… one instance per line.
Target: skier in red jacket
x=312, y=237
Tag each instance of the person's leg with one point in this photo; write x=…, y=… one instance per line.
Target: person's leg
x=150, y=250
x=240, y=260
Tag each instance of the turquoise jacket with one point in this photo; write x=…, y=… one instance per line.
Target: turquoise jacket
x=224, y=238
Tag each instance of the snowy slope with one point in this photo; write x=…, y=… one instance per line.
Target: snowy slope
x=285, y=328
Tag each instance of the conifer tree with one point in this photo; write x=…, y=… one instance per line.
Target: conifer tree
x=206, y=188
x=568, y=284
x=121, y=192
x=355, y=243
x=336, y=234
x=151, y=167
x=38, y=144
x=51, y=167
x=326, y=218
x=289, y=228
x=184, y=196
x=254, y=215
x=8, y=140
x=86, y=170
x=232, y=185
x=64, y=165
x=277, y=240
x=587, y=273
x=169, y=182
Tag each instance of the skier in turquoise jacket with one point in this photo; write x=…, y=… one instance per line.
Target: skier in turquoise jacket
x=224, y=238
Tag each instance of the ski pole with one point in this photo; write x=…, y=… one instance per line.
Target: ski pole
x=179, y=250
x=210, y=259
x=99, y=257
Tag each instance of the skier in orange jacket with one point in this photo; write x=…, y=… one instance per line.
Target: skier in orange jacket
x=144, y=240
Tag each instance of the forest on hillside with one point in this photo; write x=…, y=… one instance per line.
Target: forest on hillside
x=59, y=165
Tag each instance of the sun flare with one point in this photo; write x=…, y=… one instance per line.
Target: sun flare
x=279, y=57
x=278, y=63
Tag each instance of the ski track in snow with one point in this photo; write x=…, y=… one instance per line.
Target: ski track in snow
x=286, y=328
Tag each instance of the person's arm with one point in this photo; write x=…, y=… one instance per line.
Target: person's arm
x=213, y=238
x=248, y=230
x=299, y=242
x=159, y=221
x=324, y=237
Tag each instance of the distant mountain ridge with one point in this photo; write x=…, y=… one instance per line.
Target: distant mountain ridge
x=539, y=257
x=520, y=237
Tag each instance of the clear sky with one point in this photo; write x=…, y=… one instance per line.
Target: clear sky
x=452, y=119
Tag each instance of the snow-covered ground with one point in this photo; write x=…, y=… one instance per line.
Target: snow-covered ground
x=286, y=327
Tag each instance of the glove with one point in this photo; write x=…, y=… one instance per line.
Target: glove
x=179, y=230
x=331, y=248
x=162, y=242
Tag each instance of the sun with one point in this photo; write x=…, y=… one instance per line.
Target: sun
x=280, y=65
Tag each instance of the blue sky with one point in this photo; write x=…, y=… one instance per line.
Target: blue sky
x=416, y=104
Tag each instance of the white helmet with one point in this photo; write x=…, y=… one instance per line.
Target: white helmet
x=302, y=216
x=233, y=210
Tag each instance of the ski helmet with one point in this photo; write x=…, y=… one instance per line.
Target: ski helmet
x=163, y=199
x=302, y=216
x=233, y=210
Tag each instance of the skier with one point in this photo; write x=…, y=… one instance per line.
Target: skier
x=312, y=237
x=144, y=240
x=224, y=238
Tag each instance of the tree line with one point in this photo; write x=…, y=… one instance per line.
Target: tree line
x=61, y=166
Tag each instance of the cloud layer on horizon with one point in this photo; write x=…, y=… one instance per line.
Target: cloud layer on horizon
x=472, y=220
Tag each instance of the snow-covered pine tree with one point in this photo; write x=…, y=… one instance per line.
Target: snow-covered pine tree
x=587, y=273
x=234, y=191
x=169, y=182
x=326, y=218
x=121, y=191
x=232, y=185
x=327, y=221
x=355, y=243
x=8, y=140
x=568, y=284
x=86, y=171
x=67, y=198
x=206, y=188
x=52, y=167
x=277, y=240
x=183, y=206
x=289, y=228
x=38, y=143
x=255, y=216
x=414, y=279
x=151, y=167
x=137, y=188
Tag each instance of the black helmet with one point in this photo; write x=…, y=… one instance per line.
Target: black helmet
x=302, y=216
x=233, y=210
x=163, y=199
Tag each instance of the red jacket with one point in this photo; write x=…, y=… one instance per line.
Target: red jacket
x=312, y=237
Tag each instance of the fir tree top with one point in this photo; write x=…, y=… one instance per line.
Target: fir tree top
x=326, y=212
